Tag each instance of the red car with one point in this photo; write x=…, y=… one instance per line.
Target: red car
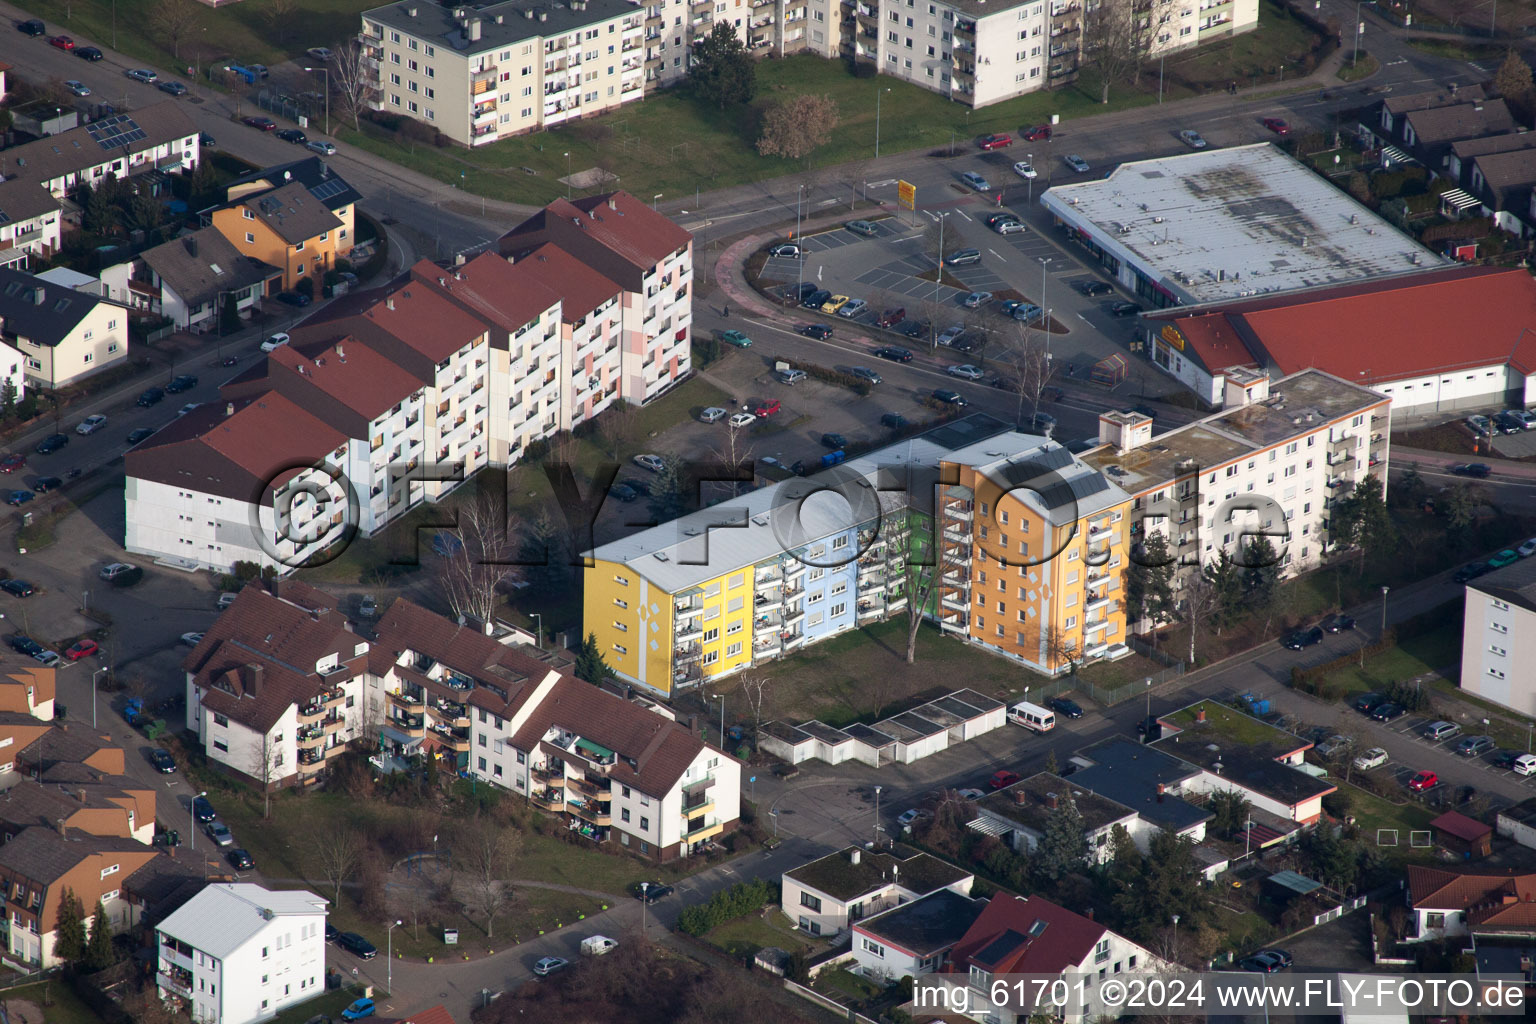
x=1039, y=133
x=62, y=42
x=1422, y=781
x=1002, y=778
x=995, y=141
x=11, y=463
x=767, y=408
x=1277, y=125
x=81, y=649
x=266, y=124
x=891, y=317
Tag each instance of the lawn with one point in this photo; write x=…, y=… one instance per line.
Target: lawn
x=1373, y=813
x=744, y=936
x=1457, y=50
x=58, y=1003
x=1228, y=723
x=1354, y=71
x=244, y=32
x=1273, y=52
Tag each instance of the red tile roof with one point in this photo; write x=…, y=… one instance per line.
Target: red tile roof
x=493, y=288
x=354, y=376
x=1015, y=935
x=239, y=455
x=581, y=288
x=418, y=318
x=409, y=627
x=1386, y=330
x=1213, y=341
x=616, y=233
x=1453, y=823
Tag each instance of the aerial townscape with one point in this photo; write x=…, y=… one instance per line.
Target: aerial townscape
x=794, y=511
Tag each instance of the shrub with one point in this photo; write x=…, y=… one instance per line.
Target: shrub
x=857, y=385
x=739, y=900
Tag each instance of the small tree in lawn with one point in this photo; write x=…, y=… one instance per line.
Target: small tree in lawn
x=7, y=398
x=175, y=21
x=99, y=953
x=795, y=128
x=267, y=769
x=336, y=850
x=69, y=935
x=1149, y=583
x=723, y=72
x=487, y=851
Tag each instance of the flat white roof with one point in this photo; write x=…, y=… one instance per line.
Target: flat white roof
x=224, y=917
x=1225, y=223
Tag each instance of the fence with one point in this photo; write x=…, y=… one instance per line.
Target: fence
x=1339, y=911
x=1105, y=695
x=836, y=1007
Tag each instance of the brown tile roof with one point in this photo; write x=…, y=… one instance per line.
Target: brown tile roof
x=1433, y=98
x=356, y=378
x=71, y=744
x=494, y=666
x=1468, y=148
x=581, y=288
x=21, y=200
x=1509, y=175
x=27, y=804
x=653, y=752
x=239, y=455
x=292, y=213
x=1432, y=888
x=203, y=265
x=839, y=877
x=1461, y=121
x=410, y=324
x=42, y=681
x=259, y=657
x=1454, y=823
x=492, y=288
x=75, y=150
x=617, y=234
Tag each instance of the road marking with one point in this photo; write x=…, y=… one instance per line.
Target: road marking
x=994, y=253
x=882, y=184
x=964, y=214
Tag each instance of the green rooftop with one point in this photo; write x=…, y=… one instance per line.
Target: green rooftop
x=1225, y=725
x=836, y=875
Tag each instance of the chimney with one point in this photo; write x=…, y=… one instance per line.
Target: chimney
x=80, y=795
x=61, y=829
x=1200, y=715
x=1020, y=797
x=613, y=204
x=340, y=353
x=37, y=296
x=1161, y=789
x=256, y=675
x=543, y=15
x=191, y=244
x=1050, y=801
x=389, y=303
x=474, y=30
x=855, y=855
x=229, y=408
x=410, y=12
x=1088, y=913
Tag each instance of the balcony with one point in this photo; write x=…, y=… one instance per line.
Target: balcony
x=1097, y=603
x=688, y=632
x=701, y=805
x=956, y=535
x=175, y=979
x=551, y=777
x=870, y=610
x=549, y=800
x=581, y=828
x=698, y=785
x=700, y=832
x=1094, y=627
x=959, y=510
x=450, y=739
x=1097, y=579
x=684, y=611
x=768, y=580
x=310, y=737
x=333, y=725
x=590, y=812
x=789, y=641
x=411, y=704
x=896, y=603
x=1100, y=534
x=767, y=624
x=768, y=603
x=954, y=604
x=414, y=726
x=687, y=653
x=688, y=676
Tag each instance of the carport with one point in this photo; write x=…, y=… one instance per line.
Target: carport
x=1463, y=835
x=916, y=737
x=871, y=746
x=991, y=712
x=786, y=742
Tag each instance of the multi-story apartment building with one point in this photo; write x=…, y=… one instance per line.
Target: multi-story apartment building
x=1498, y=642
x=1022, y=547
x=395, y=396
x=482, y=72
x=237, y=953
x=276, y=687
x=1272, y=462
x=159, y=137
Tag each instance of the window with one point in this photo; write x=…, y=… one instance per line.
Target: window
x=220, y=720
x=813, y=902
x=838, y=609
x=624, y=814
x=1101, y=951
x=645, y=823
x=871, y=946
x=1434, y=920
x=732, y=650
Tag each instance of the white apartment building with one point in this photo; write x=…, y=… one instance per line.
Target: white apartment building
x=825, y=896
x=277, y=685
x=1498, y=639
x=237, y=953
x=485, y=72
x=1271, y=462
x=30, y=217
x=63, y=335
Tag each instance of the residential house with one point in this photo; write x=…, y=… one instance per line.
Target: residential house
x=191, y=279
x=323, y=183
x=826, y=895
x=1502, y=183
x=1429, y=133
x=30, y=217
x=238, y=953
x=1148, y=781
x=73, y=810
x=1449, y=904
x=1019, y=814
x=28, y=690
x=39, y=864
x=1458, y=166
x=1014, y=935
x=287, y=228
x=276, y=687
x=18, y=731
x=915, y=938
x=649, y=257
x=63, y=335
x=159, y=137
x=1498, y=643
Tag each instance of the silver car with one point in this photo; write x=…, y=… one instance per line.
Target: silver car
x=1077, y=163
x=965, y=371
x=1192, y=139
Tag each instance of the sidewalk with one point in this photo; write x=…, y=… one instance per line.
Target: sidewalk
x=1420, y=457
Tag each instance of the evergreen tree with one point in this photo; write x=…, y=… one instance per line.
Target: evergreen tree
x=69, y=941
x=1063, y=847
x=1513, y=79
x=1230, y=810
x=1331, y=860
x=1149, y=582
x=98, y=950
x=669, y=495
x=1225, y=577
x=1168, y=883
x=7, y=398
x=723, y=72
x=229, y=316
x=590, y=664
x=1051, y=766
x=1261, y=571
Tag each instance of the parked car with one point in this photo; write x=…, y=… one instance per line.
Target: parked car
x=62, y=43
x=1277, y=125
x=736, y=338
x=1373, y=758
x=1468, y=573
x=359, y=1008
x=1505, y=758
x=901, y=355
x=891, y=317
x=1525, y=764
x=1002, y=778
x=225, y=600
x=1063, y=706
x=950, y=333
x=51, y=444
x=275, y=341
x=1039, y=133
x=991, y=142
x=767, y=407
x=355, y=943
x=949, y=397
x=11, y=463
x=743, y=419
x=202, y=810
x=545, y=966
x=1076, y=162
x=291, y=135
x=1302, y=638
x=164, y=763
x=17, y=588
x=91, y=424
x=77, y=88
x=89, y=53
x=1025, y=169
x=965, y=371
x=182, y=382
x=654, y=463
x=1472, y=746
x=821, y=332
x=1042, y=423
x=48, y=659
x=1192, y=139
x=191, y=639
x=1482, y=426
x=834, y=441
x=1368, y=702
x=1026, y=312
x=1092, y=287
x=292, y=298
x=1527, y=549
x=219, y=833
x=624, y=492
x=19, y=497
x=713, y=414
x=852, y=308
x=1509, y=422
x=835, y=303
x=1009, y=226
x=240, y=859
x=786, y=250
x=23, y=644
x=47, y=483
x=975, y=182
x=1337, y=623
x=862, y=227
x=113, y=570
x=207, y=141
x=172, y=87
x=913, y=328
x=1422, y=781
x=865, y=373
x=894, y=420
x=975, y=300
x=1527, y=417
x=321, y=146
x=1261, y=963
x=816, y=299
x=1124, y=309
x=32, y=27
x=971, y=793
x=1503, y=558
x=319, y=52
x=1388, y=712
x=962, y=257
x=265, y=124
x=907, y=817
x=187, y=408
x=1437, y=731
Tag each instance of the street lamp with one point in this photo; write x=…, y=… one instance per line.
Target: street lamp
x=1045, y=261
x=1384, y=611
x=327, y=73
x=1149, y=701
x=1359, y=25
x=800, y=261
x=939, y=282
x=567, y=175
x=877, y=816
x=192, y=821
x=1175, y=936
x=655, y=197
x=721, y=698
x=645, y=888
x=879, y=94
x=1029, y=158
x=93, y=692
x=389, y=951
x=538, y=637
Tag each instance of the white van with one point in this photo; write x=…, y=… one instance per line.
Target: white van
x=597, y=945
x=1525, y=764
x=1032, y=716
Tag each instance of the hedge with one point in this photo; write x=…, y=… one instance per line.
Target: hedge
x=858, y=385
x=739, y=900
x=1312, y=680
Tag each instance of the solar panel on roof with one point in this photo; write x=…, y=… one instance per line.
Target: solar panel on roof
x=326, y=189
x=116, y=131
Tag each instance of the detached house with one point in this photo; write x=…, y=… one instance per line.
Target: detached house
x=1450, y=904
x=1020, y=813
x=275, y=688
x=189, y=279
x=240, y=953
x=63, y=335
x=826, y=895
x=287, y=228
x=30, y=217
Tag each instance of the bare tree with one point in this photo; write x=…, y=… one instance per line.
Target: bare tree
x=412, y=902
x=1112, y=43
x=268, y=769
x=337, y=849
x=732, y=452
x=175, y=20
x=795, y=128
x=487, y=850
x=1032, y=370
x=471, y=574
x=278, y=15
x=757, y=688
x=1199, y=598
x=351, y=77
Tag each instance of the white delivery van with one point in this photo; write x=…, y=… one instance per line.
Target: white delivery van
x=1032, y=716
x=597, y=945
